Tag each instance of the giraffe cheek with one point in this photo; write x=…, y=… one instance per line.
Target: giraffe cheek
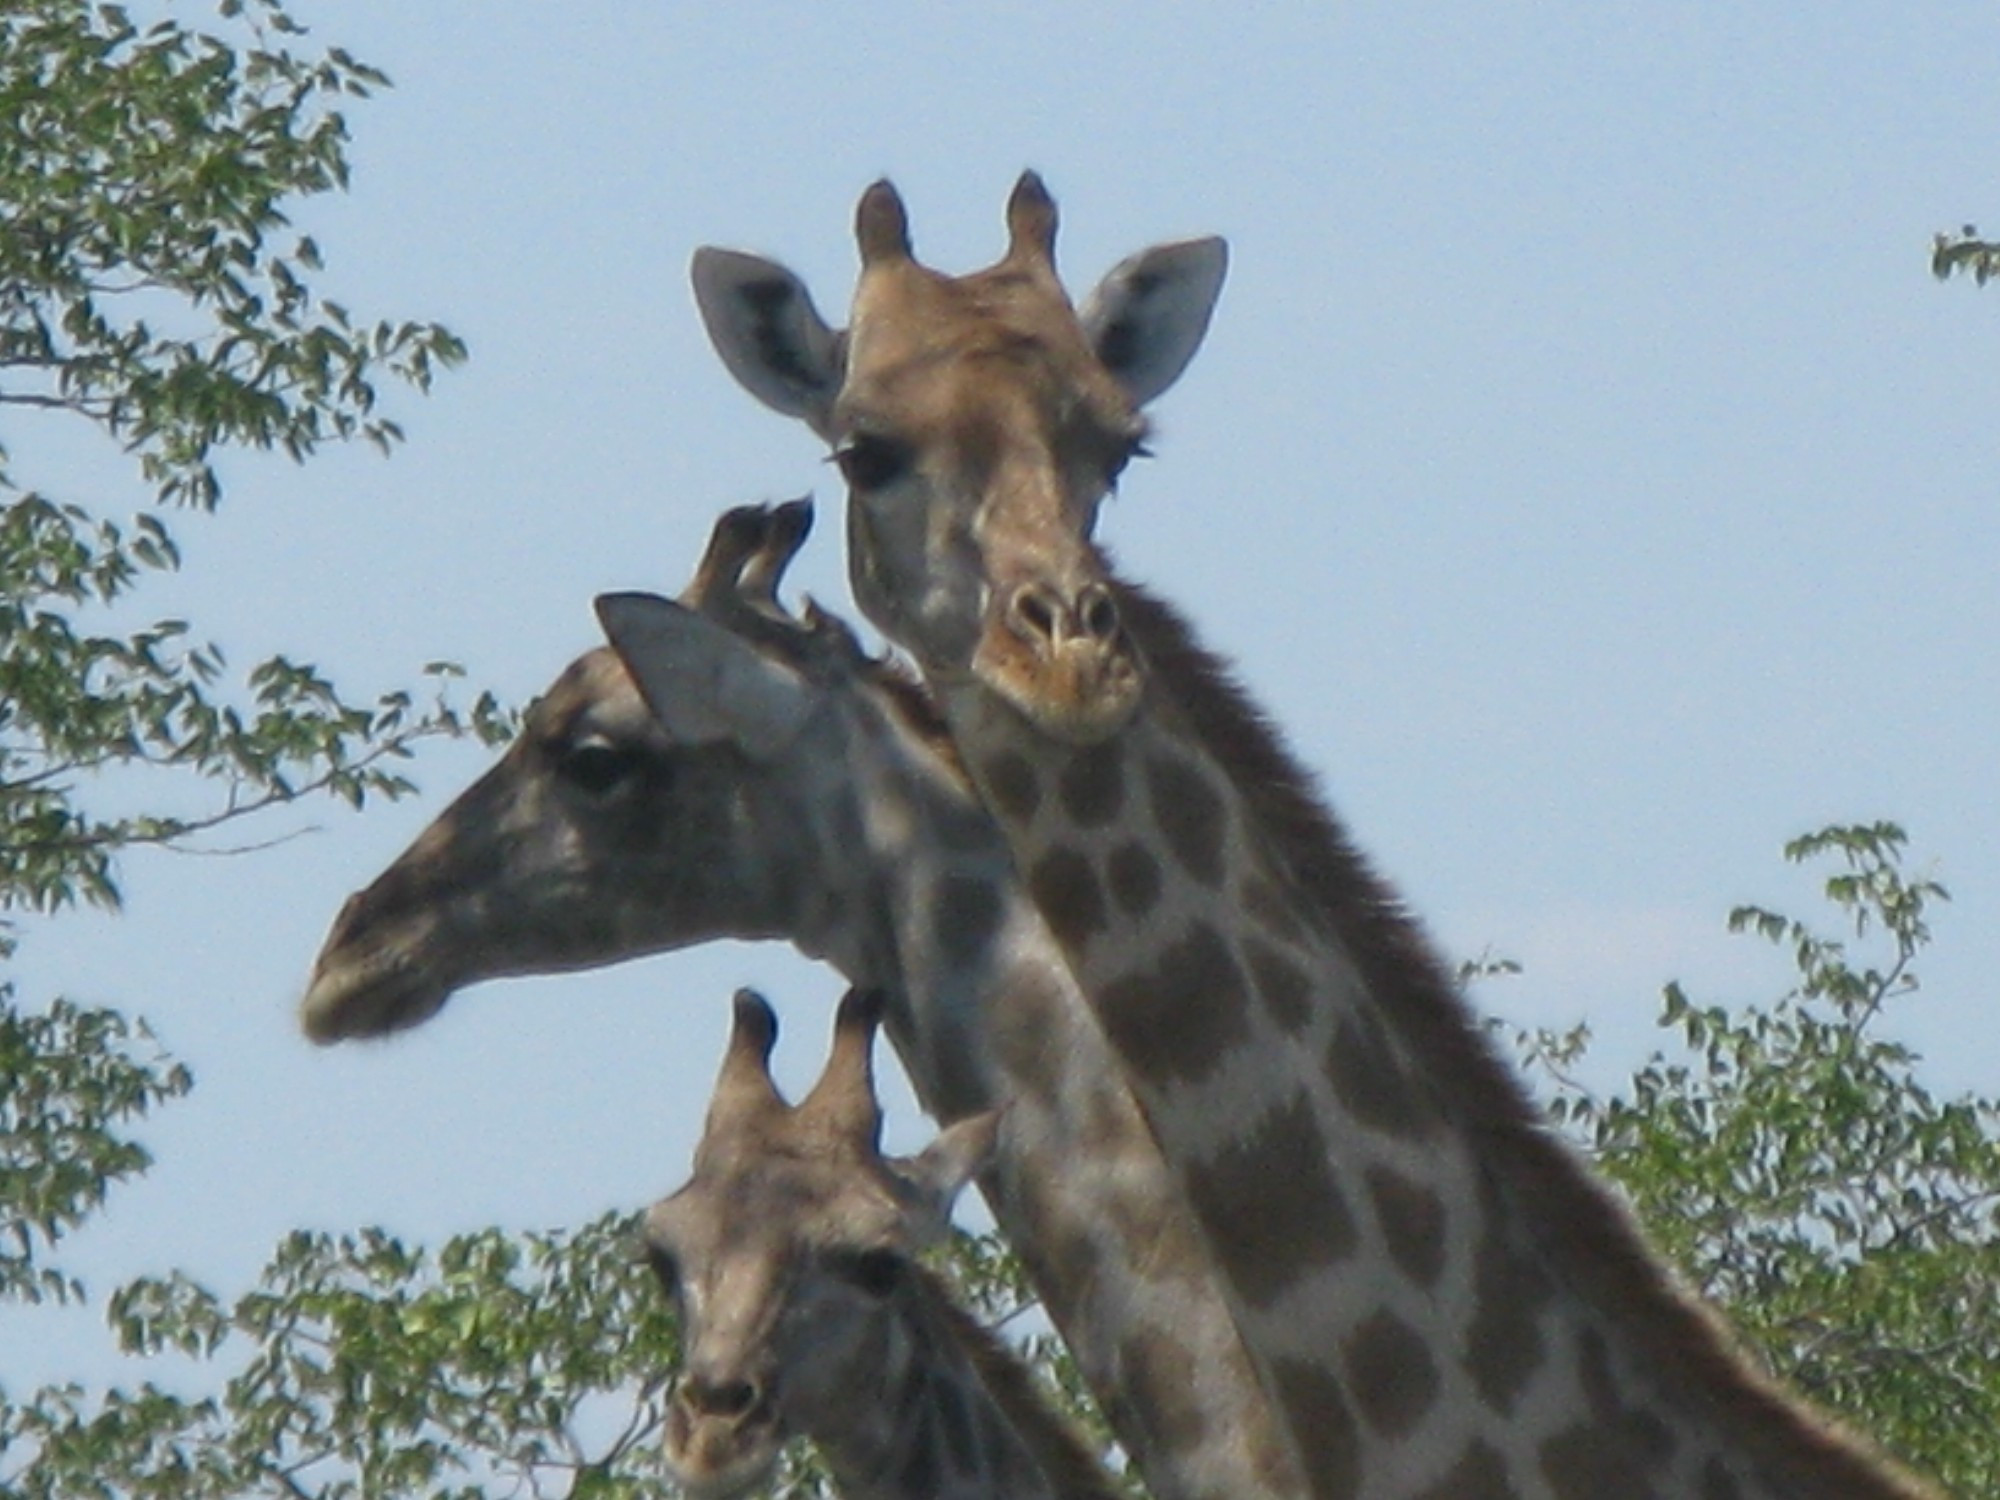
x=924, y=603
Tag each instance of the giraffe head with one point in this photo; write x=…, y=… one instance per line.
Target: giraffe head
x=979, y=422
x=790, y=1252
x=607, y=831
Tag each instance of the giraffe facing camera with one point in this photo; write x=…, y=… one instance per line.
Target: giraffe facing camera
x=791, y=1254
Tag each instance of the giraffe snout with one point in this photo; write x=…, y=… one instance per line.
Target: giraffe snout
x=1055, y=620
x=722, y=1435
x=1061, y=656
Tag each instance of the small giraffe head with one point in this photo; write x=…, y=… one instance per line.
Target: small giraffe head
x=979, y=421
x=790, y=1251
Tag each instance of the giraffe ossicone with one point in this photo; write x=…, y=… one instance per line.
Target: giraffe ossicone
x=792, y=1255
x=944, y=393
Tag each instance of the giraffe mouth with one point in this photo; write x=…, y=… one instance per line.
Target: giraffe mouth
x=721, y=1457
x=1082, y=692
x=369, y=995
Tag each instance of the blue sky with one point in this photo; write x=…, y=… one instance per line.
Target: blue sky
x=1583, y=468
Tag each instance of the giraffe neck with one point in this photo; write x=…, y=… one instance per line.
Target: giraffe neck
x=948, y=1414
x=984, y=1010
x=1438, y=1296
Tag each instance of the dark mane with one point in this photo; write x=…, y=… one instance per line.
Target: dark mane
x=1589, y=1237
x=1074, y=1472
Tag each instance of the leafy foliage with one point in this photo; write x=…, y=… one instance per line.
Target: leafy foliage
x=525, y=1364
x=70, y=1079
x=151, y=290
x=360, y=1366
x=144, y=291
x=142, y=178
x=1792, y=1162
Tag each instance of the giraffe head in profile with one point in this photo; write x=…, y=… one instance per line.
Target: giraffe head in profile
x=791, y=1253
x=979, y=422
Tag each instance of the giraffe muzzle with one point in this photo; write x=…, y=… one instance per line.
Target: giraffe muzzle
x=722, y=1436
x=1063, y=659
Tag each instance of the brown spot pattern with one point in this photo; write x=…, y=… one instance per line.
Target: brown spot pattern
x=1157, y=1373
x=1023, y=1021
x=1640, y=1434
x=1479, y=1474
x=1329, y=1442
x=1134, y=875
x=1391, y=1372
x=1073, y=1257
x=1587, y=1462
x=1092, y=785
x=1272, y=1206
x=1065, y=889
x=1412, y=1219
x=967, y=914
x=1178, y=1022
x=1371, y=1081
x=1285, y=986
x=1012, y=787
x=1190, y=815
x=1503, y=1343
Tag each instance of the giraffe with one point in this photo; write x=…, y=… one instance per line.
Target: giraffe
x=791, y=1254
x=795, y=788
x=1439, y=1297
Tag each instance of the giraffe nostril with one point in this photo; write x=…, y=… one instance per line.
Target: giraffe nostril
x=1047, y=617
x=1098, y=612
x=719, y=1398
x=1038, y=611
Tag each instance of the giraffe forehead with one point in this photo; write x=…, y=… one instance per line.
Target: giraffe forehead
x=996, y=351
x=760, y=1237
x=820, y=1192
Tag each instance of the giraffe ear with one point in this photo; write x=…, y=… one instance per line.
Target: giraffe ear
x=936, y=1175
x=761, y=319
x=702, y=682
x=1148, y=315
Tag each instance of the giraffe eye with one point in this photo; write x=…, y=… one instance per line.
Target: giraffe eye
x=597, y=767
x=876, y=1272
x=868, y=462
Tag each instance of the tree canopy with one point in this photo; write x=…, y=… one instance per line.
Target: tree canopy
x=1791, y=1160
x=153, y=289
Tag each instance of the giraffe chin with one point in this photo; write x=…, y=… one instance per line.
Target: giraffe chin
x=720, y=1458
x=1081, y=696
